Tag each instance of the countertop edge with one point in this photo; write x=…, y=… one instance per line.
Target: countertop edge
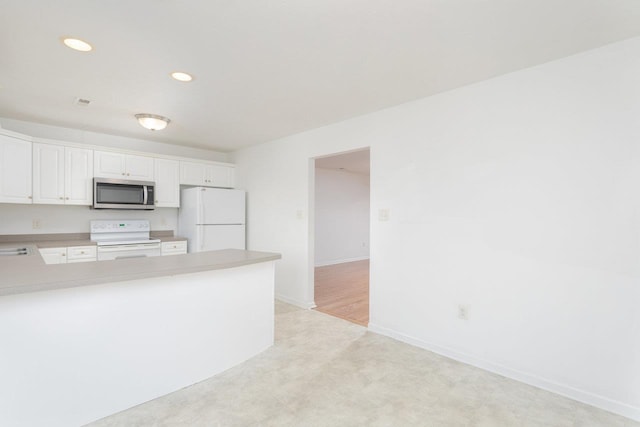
x=259, y=257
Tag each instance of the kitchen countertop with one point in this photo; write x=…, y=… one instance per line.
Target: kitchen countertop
x=170, y=238
x=28, y=273
x=70, y=239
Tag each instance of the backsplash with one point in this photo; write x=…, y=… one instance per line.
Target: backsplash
x=21, y=219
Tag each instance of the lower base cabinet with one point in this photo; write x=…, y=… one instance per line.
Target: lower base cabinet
x=89, y=253
x=174, y=248
x=70, y=254
x=54, y=255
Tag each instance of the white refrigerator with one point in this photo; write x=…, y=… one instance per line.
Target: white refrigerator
x=212, y=218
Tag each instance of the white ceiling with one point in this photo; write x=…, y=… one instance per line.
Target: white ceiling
x=267, y=69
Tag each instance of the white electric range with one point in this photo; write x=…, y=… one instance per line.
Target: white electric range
x=118, y=239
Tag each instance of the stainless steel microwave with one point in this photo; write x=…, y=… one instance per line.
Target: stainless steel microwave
x=123, y=194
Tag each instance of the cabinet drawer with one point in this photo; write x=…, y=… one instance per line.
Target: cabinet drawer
x=81, y=253
x=174, y=248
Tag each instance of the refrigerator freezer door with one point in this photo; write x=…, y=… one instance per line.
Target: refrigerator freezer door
x=218, y=206
x=214, y=237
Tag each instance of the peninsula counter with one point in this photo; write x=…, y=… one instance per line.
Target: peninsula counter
x=79, y=342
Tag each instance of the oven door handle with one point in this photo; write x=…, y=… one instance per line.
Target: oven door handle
x=131, y=256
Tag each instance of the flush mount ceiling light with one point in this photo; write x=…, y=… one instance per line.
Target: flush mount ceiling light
x=182, y=76
x=77, y=44
x=152, y=122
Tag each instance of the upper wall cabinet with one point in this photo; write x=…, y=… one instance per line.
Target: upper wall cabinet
x=207, y=175
x=167, y=191
x=123, y=166
x=15, y=169
x=62, y=175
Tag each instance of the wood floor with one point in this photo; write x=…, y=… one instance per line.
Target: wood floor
x=342, y=290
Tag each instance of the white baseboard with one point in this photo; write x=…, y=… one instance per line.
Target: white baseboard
x=301, y=304
x=598, y=401
x=340, y=261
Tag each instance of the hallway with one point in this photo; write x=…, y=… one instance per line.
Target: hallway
x=342, y=290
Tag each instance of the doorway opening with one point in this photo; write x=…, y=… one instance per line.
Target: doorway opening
x=341, y=235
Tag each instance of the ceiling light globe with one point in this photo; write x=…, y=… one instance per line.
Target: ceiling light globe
x=152, y=121
x=77, y=44
x=182, y=76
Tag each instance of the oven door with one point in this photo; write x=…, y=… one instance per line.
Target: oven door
x=119, y=194
x=110, y=252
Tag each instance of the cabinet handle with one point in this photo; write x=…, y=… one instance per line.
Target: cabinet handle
x=128, y=174
x=30, y=197
x=63, y=254
x=67, y=198
x=61, y=198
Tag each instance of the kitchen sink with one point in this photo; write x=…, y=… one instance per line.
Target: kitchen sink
x=17, y=251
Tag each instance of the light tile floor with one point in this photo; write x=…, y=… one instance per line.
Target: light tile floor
x=323, y=371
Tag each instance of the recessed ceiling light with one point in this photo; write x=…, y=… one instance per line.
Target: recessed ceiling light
x=181, y=76
x=152, y=121
x=77, y=44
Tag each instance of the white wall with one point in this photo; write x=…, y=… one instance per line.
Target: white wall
x=518, y=197
x=102, y=139
x=18, y=219
x=341, y=216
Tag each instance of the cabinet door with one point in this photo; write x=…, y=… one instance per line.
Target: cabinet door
x=15, y=170
x=220, y=176
x=139, y=168
x=48, y=174
x=54, y=255
x=78, y=176
x=192, y=173
x=109, y=165
x=167, y=179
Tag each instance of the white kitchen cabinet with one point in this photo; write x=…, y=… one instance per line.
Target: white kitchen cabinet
x=207, y=175
x=109, y=164
x=174, y=248
x=167, y=179
x=82, y=253
x=54, y=255
x=78, y=172
x=15, y=169
x=71, y=254
x=48, y=174
x=62, y=175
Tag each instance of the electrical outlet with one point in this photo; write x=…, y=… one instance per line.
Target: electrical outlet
x=463, y=312
x=383, y=214
x=36, y=224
